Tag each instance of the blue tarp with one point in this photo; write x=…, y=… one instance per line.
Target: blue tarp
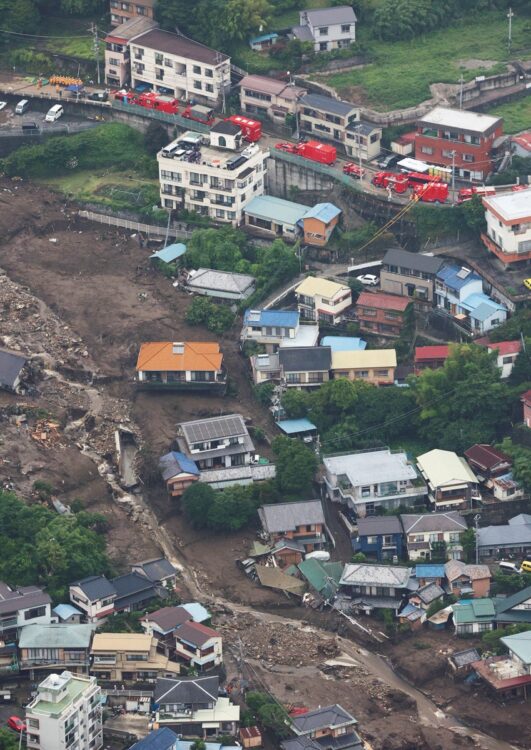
x=74, y=87
x=170, y=253
x=294, y=426
x=344, y=343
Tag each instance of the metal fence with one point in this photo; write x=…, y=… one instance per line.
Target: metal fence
x=177, y=120
x=175, y=230
x=64, y=129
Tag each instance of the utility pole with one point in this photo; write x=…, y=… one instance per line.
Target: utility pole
x=453, y=177
x=510, y=16
x=476, y=520
x=96, y=47
x=461, y=81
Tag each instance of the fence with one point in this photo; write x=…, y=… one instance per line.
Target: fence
x=175, y=230
x=64, y=129
x=176, y=120
x=314, y=166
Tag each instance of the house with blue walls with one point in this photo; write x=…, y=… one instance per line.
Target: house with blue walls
x=380, y=537
x=459, y=292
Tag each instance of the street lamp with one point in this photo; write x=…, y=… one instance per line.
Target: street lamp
x=358, y=141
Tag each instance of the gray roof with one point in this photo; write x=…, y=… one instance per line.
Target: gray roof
x=157, y=569
x=197, y=690
x=456, y=568
x=361, y=574
x=202, y=430
x=426, y=522
x=305, y=358
x=504, y=604
x=329, y=16
x=416, y=261
x=130, y=584
x=321, y=718
x=463, y=658
x=429, y=593
x=507, y=535
x=303, y=33
x=363, y=128
x=133, y=27
x=221, y=281
x=328, y=104
x=13, y=599
x=95, y=587
x=11, y=365
x=287, y=516
x=373, y=525
x=58, y=636
x=521, y=518
x=225, y=127
x=371, y=466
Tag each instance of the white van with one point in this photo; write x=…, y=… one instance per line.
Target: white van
x=508, y=567
x=22, y=107
x=54, y=113
x=319, y=554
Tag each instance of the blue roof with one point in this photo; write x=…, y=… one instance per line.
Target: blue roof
x=197, y=611
x=481, y=306
x=64, y=611
x=344, y=343
x=160, y=739
x=323, y=211
x=282, y=318
x=174, y=463
x=263, y=38
x=448, y=274
x=270, y=208
x=293, y=426
x=169, y=253
x=429, y=571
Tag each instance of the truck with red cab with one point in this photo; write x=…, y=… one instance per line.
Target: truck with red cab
x=354, y=170
x=313, y=150
x=432, y=192
x=199, y=113
x=397, y=182
x=251, y=129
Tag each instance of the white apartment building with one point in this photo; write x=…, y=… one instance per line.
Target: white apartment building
x=178, y=66
x=321, y=299
x=66, y=713
x=211, y=180
x=117, y=51
x=327, y=28
x=508, y=218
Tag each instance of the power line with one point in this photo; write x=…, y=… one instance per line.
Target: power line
x=41, y=36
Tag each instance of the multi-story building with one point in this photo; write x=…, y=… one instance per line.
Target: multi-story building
x=321, y=299
x=269, y=98
x=66, y=712
x=466, y=140
x=129, y=657
x=117, y=52
x=452, y=483
x=427, y=532
x=363, y=140
x=410, y=275
x=123, y=11
x=373, y=480
x=508, y=233
x=509, y=677
x=430, y=357
x=94, y=596
x=323, y=728
x=51, y=647
x=375, y=366
x=304, y=366
x=211, y=181
x=325, y=117
x=467, y=580
x=376, y=586
x=175, y=65
x=181, y=365
x=459, y=292
x=26, y=605
x=198, y=646
x=269, y=327
x=220, y=442
x=302, y=521
x=381, y=313
x=507, y=353
x=380, y=536
x=327, y=28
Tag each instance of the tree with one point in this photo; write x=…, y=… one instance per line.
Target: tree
x=296, y=466
x=232, y=509
x=8, y=740
x=492, y=639
x=217, y=318
x=197, y=501
x=172, y=14
x=155, y=137
x=274, y=717
x=521, y=457
x=474, y=214
x=295, y=403
x=521, y=372
x=198, y=745
x=468, y=542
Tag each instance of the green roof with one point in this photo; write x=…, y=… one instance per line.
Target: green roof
x=56, y=636
x=323, y=577
x=476, y=610
x=520, y=645
x=74, y=688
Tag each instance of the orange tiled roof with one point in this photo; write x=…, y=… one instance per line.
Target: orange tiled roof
x=197, y=355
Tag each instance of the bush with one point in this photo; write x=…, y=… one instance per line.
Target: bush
x=217, y=318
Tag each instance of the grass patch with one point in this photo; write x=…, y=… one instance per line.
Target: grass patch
x=516, y=115
x=403, y=71
x=69, y=29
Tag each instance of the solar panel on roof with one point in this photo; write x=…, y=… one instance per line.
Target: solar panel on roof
x=463, y=273
x=210, y=429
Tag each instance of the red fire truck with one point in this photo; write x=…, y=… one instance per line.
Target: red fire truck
x=199, y=113
x=397, y=182
x=314, y=150
x=251, y=129
x=432, y=192
x=466, y=194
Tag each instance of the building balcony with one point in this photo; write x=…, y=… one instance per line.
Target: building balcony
x=505, y=257
x=8, y=624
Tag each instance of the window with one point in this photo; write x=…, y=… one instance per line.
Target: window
x=159, y=75
x=293, y=377
x=323, y=46
x=197, y=85
x=136, y=657
x=381, y=373
x=427, y=150
x=114, y=61
x=323, y=30
x=209, y=87
x=220, y=214
x=209, y=73
x=468, y=157
x=345, y=28
x=29, y=614
x=372, y=540
x=310, y=527
x=366, y=491
x=168, y=63
x=197, y=70
x=159, y=58
x=362, y=373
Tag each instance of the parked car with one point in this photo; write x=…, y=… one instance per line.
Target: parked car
x=98, y=96
x=509, y=568
x=527, y=283
x=388, y=161
x=2, y=105
x=17, y=724
x=354, y=170
x=368, y=279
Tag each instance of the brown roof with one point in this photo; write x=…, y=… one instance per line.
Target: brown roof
x=485, y=456
x=169, y=618
x=195, y=633
x=174, y=44
x=267, y=85
x=382, y=301
x=456, y=568
x=247, y=733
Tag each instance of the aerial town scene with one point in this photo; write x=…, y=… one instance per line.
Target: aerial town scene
x=265, y=375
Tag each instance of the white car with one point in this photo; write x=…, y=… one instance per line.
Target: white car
x=2, y=105
x=368, y=279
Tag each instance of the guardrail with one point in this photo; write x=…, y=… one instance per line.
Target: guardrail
x=135, y=226
x=324, y=169
x=177, y=120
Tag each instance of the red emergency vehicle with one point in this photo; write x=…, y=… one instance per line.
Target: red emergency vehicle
x=199, y=113
x=159, y=102
x=432, y=192
x=251, y=129
x=397, y=182
x=354, y=170
x=314, y=150
x=466, y=194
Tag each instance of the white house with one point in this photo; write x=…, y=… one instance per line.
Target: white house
x=210, y=179
x=452, y=483
x=508, y=218
x=327, y=28
x=507, y=352
x=27, y=605
x=94, y=596
x=366, y=481
x=66, y=712
x=321, y=299
x=199, y=646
